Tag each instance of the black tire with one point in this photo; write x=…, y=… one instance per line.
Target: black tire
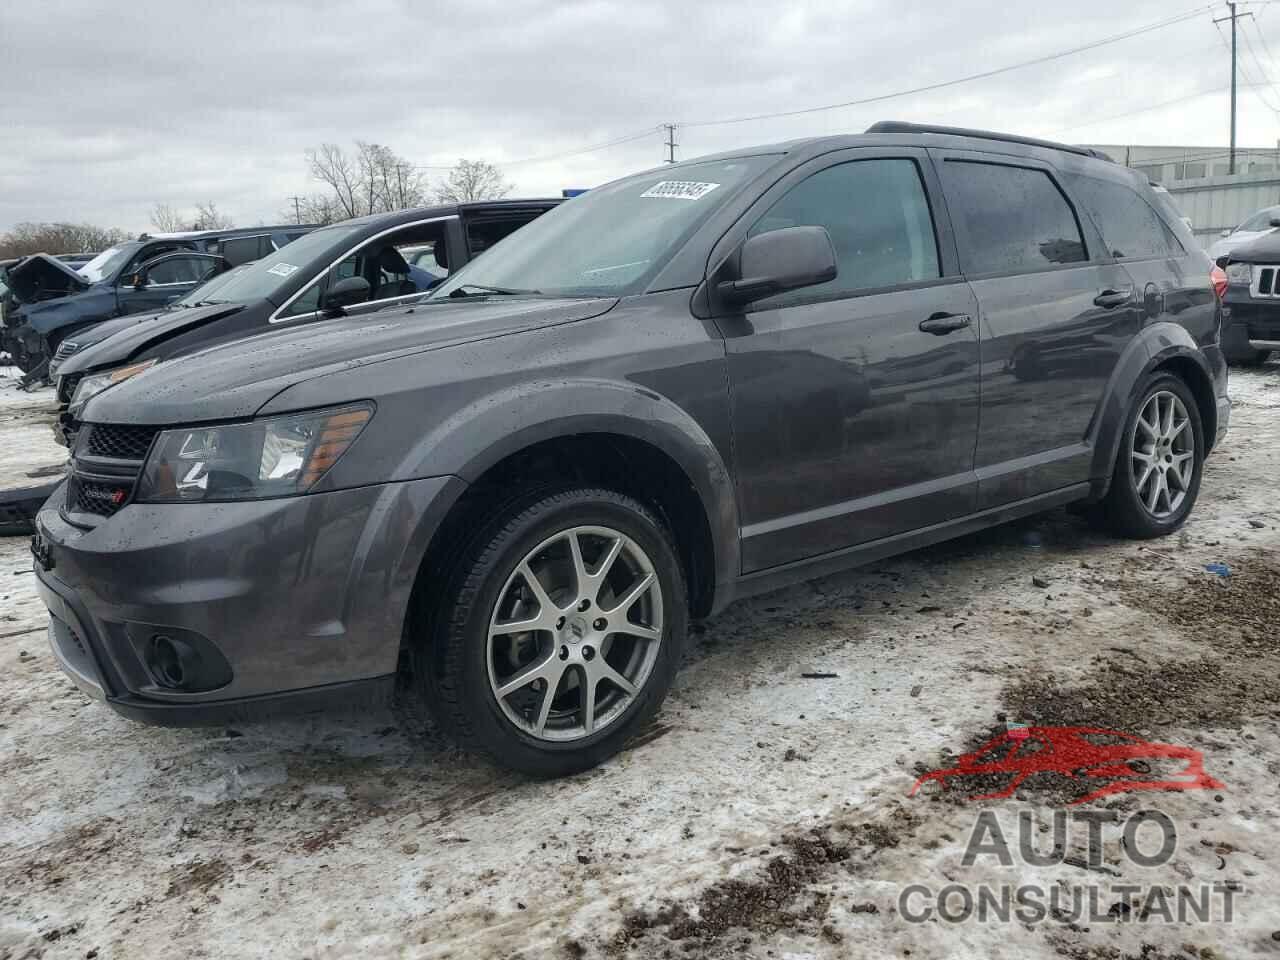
x=449, y=645
x=1123, y=511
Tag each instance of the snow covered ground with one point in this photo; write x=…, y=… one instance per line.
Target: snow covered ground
x=767, y=814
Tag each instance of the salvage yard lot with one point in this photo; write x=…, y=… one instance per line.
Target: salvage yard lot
x=766, y=814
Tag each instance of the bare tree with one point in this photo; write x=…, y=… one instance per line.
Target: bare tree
x=372, y=180
x=335, y=170
x=208, y=217
x=28, y=238
x=166, y=219
x=317, y=208
x=472, y=180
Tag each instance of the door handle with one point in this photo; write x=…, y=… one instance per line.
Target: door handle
x=941, y=324
x=1110, y=299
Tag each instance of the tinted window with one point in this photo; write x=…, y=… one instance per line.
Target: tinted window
x=1010, y=219
x=180, y=270
x=1129, y=227
x=878, y=217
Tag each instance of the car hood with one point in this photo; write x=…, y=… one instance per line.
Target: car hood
x=41, y=277
x=120, y=340
x=234, y=380
x=1265, y=248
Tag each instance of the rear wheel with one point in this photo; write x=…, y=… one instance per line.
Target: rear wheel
x=562, y=628
x=1159, y=464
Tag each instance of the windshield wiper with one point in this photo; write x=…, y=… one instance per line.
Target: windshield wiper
x=461, y=291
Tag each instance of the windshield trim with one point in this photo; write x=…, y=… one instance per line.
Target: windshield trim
x=276, y=318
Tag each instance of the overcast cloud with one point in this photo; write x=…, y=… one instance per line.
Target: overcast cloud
x=109, y=108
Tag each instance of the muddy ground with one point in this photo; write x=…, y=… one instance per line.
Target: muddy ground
x=766, y=814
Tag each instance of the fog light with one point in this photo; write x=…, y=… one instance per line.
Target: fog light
x=171, y=661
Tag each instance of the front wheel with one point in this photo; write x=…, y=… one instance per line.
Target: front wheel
x=562, y=628
x=1159, y=464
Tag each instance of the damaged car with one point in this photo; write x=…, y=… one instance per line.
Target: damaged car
x=517, y=493
x=1251, y=305
x=347, y=269
x=51, y=300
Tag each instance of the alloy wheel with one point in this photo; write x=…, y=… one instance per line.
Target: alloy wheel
x=1162, y=454
x=574, y=634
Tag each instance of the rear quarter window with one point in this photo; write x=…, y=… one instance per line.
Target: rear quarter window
x=1010, y=219
x=1129, y=225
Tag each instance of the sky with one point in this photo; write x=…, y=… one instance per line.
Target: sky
x=108, y=109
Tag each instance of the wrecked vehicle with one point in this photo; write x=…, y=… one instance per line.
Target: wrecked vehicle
x=525, y=486
x=1251, y=306
x=50, y=300
x=347, y=269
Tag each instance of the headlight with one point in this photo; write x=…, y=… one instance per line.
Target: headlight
x=277, y=457
x=1239, y=273
x=95, y=383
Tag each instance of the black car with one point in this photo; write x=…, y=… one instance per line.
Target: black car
x=350, y=268
x=1251, y=307
x=49, y=300
x=689, y=385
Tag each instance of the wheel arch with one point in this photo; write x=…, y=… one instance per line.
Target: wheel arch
x=1163, y=346
x=632, y=440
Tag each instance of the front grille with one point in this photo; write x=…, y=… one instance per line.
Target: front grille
x=1266, y=282
x=65, y=349
x=119, y=442
x=96, y=497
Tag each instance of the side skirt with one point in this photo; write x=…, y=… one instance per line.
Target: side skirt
x=785, y=575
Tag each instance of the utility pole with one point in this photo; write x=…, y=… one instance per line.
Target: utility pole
x=1233, y=17
x=297, y=209
x=671, y=142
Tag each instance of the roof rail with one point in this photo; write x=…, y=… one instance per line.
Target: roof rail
x=900, y=126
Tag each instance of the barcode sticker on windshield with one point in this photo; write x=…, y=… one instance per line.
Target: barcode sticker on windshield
x=680, y=190
x=282, y=269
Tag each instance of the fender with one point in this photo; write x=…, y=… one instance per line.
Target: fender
x=1155, y=344
x=534, y=411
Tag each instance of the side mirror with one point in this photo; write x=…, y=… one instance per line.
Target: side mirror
x=138, y=280
x=1274, y=221
x=781, y=260
x=347, y=293
x=1225, y=233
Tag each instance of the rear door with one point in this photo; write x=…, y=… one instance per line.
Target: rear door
x=854, y=402
x=1055, y=311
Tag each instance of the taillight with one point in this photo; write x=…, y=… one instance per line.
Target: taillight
x=1218, y=277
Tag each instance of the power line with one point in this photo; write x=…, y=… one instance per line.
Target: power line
x=1154, y=106
x=647, y=132
x=1168, y=22
x=1257, y=61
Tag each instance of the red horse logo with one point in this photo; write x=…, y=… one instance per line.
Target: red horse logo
x=1079, y=753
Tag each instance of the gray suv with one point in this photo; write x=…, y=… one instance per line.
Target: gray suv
x=697, y=383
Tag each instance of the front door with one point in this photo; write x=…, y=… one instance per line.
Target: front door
x=1056, y=312
x=854, y=402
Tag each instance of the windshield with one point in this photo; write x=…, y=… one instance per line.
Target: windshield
x=207, y=291
x=263, y=278
x=107, y=262
x=609, y=241
x=1260, y=220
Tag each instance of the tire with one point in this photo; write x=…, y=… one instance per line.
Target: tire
x=1126, y=509
x=459, y=667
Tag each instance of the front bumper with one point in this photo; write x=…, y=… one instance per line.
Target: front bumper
x=1249, y=324
x=287, y=604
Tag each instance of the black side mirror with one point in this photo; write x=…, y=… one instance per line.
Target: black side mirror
x=781, y=260
x=138, y=280
x=347, y=293
x=1275, y=221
